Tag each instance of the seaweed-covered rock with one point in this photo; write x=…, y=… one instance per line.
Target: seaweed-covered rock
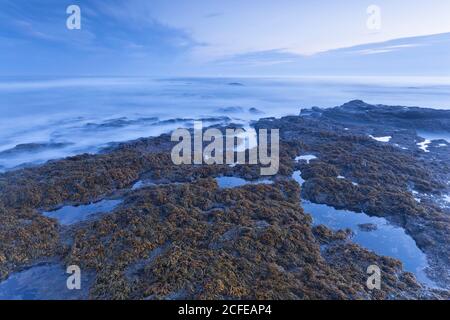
x=189, y=239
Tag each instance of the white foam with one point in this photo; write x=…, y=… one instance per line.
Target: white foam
x=381, y=139
x=399, y=146
x=248, y=139
x=434, y=135
x=447, y=198
x=424, y=145
x=306, y=157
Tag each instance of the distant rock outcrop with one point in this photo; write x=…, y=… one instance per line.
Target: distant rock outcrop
x=359, y=112
x=231, y=109
x=32, y=147
x=255, y=111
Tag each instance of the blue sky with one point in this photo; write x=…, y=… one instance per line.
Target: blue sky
x=226, y=37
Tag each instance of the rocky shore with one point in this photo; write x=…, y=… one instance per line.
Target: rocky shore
x=184, y=237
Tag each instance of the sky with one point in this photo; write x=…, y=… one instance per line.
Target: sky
x=226, y=37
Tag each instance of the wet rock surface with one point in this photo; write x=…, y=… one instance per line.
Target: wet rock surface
x=189, y=239
x=359, y=112
x=379, y=175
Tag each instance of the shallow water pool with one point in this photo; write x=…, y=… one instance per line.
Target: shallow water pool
x=234, y=182
x=68, y=215
x=43, y=282
x=383, y=238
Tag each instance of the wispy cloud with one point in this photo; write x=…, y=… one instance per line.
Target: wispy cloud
x=158, y=36
x=385, y=49
x=112, y=32
x=213, y=15
x=260, y=58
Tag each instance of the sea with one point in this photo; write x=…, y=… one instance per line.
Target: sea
x=55, y=117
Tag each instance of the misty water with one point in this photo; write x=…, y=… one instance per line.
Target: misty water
x=51, y=118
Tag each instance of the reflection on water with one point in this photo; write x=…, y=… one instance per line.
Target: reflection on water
x=373, y=233
x=142, y=184
x=234, y=182
x=72, y=214
x=43, y=282
x=385, y=240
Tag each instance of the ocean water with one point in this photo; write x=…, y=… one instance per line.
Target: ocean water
x=51, y=118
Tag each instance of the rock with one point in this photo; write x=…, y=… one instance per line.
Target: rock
x=359, y=112
x=255, y=111
x=367, y=227
x=32, y=147
x=254, y=242
x=231, y=109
